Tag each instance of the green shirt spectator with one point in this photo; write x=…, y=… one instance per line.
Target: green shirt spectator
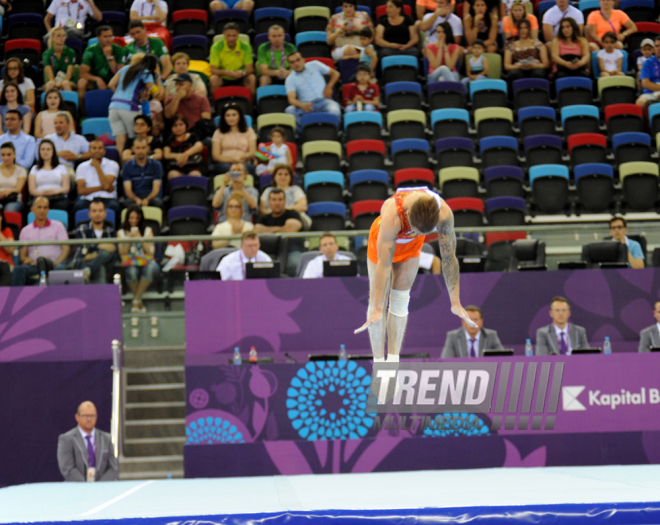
x=231, y=59
x=67, y=58
x=98, y=63
x=271, y=58
x=155, y=46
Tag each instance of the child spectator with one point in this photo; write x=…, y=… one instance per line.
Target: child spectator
x=477, y=67
x=647, y=48
x=443, y=55
x=45, y=122
x=277, y=153
x=365, y=53
x=610, y=58
x=362, y=95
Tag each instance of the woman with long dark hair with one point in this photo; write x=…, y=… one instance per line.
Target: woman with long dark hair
x=481, y=23
x=49, y=178
x=12, y=179
x=45, y=121
x=14, y=73
x=233, y=141
x=128, y=84
x=11, y=98
x=570, y=52
x=526, y=57
x=444, y=55
x=395, y=32
x=183, y=150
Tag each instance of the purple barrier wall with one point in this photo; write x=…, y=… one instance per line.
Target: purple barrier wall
x=55, y=351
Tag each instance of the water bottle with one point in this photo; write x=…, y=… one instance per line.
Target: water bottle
x=253, y=354
x=529, y=351
x=342, y=353
x=116, y=280
x=42, y=279
x=237, y=356
x=607, y=346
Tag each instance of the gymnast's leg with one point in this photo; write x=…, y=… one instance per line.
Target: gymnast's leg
x=404, y=274
x=377, y=330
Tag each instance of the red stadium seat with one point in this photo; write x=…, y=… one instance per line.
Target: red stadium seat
x=380, y=11
x=414, y=177
x=503, y=236
x=327, y=61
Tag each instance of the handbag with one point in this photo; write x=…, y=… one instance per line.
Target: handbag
x=135, y=257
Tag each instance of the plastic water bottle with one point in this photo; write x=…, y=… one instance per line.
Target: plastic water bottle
x=342, y=353
x=607, y=346
x=253, y=354
x=529, y=351
x=42, y=279
x=116, y=279
x=237, y=356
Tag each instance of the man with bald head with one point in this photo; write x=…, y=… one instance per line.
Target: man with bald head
x=85, y=453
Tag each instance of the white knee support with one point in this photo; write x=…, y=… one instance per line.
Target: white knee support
x=399, y=300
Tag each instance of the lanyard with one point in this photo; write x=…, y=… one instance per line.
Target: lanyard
x=153, y=9
x=283, y=59
x=608, y=21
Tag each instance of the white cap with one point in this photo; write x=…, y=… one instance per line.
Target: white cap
x=647, y=42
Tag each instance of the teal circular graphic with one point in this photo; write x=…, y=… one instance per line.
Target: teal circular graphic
x=328, y=400
x=445, y=425
x=212, y=430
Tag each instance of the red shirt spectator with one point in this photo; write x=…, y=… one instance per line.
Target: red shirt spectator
x=371, y=93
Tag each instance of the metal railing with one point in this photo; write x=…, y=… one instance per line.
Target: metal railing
x=115, y=418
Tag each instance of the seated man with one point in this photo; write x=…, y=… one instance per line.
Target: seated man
x=70, y=146
x=96, y=259
x=281, y=220
x=42, y=229
x=231, y=61
x=232, y=266
x=307, y=90
x=245, y=5
x=97, y=181
x=560, y=337
x=71, y=15
x=24, y=144
x=328, y=247
x=100, y=62
x=148, y=45
x=149, y=11
x=650, y=337
x=471, y=341
x=619, y=229
x=187, y=103
x=142, y=177
x=272, y=57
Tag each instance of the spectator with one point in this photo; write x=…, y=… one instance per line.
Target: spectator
x=181, y=63
x=364, y=54
x=570, y=51
x=476, y=67
x=183, y=150
x=647, y=48
x=362, y=94
x=442, y=13
x=58, y=61
x=231, y=61
x=142, y=177
x=281, y=220
x=137, y=258
x=296, y=199
x=560, y=337
x=147, y=45
x=273, y=57
x=278, y=151
x=232, y=266
x=24, y=144
x=234, y=183
x=12, y=180
x=11, y=98
x=71, y=15
x=471, y=341
x=97, y=180
x=233, y=141
x=14, y=73
x=649, y=337
x=328, y=247
x=142, y=127
x=649, y=77
x=50, y=179
x=186, y=103
x=510, y=22
x=149, y=11
x=443, y=56
x=70, y=147
x=45, y=121
x=42, y=229
x=127, y=84
x=96, y=259
x=234, y=224
x=506, y=5
x=525, y=57
x=344, y=28
x=395, y=33
x=606, y=19
x=610, y=59
x=7, y=252
x=100, y=62
x=245, y=5
x=4, y=7
x=554, y=16
x=480, y=23
x=618, y=230
x=307, y=90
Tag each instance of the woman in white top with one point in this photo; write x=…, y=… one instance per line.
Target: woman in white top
x=45, y=122
x=12, y=179
x=295, y=197
x=234, y=225
x=14, y=73
x=49, y=178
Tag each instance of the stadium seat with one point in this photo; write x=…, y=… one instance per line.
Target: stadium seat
x=543, y=149
x=190, y=22
x=28, y=6
x=286, y=4
x=443, y=95
x=595, y=186
x=188, y=191
x=644, y=30
x=631, y=147
x=97, y=102
x=324, y=186
x=26, y=50
x=399, y=68
x=639, y=10
x=413, y=177
x=239, y=94
x=450, y=123
x=364, y=213
x=406, y=124
x=536, y=120
x=96, y=127
x=598, y=254
x=587, y=6
x=380, y=11
x=529, y=92
x=363, y=125
x=195, y=46
x=324, y=60
x=493, y=121
x=403, y=95
x=528, y=254
x=468, y=211
x=55, y=215
x=319, y=126
x=327, y=216
x=488, y=93
x=459, y=182
x=347, y=70
x=587, y=148
x=268, y=16
x=654, y=118
x=311, y=18
x=115, y=19
x=151, y=214
x=272, y=99
x=549, y=187
x=573, y=91
x=543, y=6
x=369, y=185
x=410, y=153
x=640, y=184
x=504, y=181
x=580, y=118
x=265, y=123
x=83, y=215
x=322, y=155
x=365, y=154
x=621, y=118
x=188, y=220
x=313, y=44
x=224, y=16
x=617, y=90
x=306, y=3
x=505, y=211
x=595, y=66
x=454, y=152
x=70, y=99
x=25, y=25
x=362, y=7
x=498, y=151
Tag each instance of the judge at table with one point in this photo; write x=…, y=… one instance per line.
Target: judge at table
x=650, y=337
x=470, y=341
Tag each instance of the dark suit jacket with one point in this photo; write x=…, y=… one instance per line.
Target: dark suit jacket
x=547, y=343
x=456, y=344
x=649, y=337
x=72, y=457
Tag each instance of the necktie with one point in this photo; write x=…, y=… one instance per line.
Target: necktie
x=563, y=347
x=473, y=351
x=90, y=451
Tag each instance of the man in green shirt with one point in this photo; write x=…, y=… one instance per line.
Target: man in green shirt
x=273, y=57
x=148, y=45
x=100, y=63
x=231, y=61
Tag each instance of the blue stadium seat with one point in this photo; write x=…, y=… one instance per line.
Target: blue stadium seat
x=442, y=95
x=595, y=186
x=574, y=90
x=450, y=122
x=368, y=185
x=268, y=16
x=56, y=215
x=324, y=186
x=188, y=190
x=272, y=99
x=399, y=68
x=543, y=149
x=456, y=151
x=313, y=44
x=531, y=92
x=319, y=126
x=580, y=118
x=224, y=16
x=363, y=125
x=498, y=151
x=83, y=215
x=97, y=102
x=188, y=220
x=504, y=181
x=327, y=216
x=595, y=67
x=488, y=93
x=549, y=187
x=536, y=120
x=403, y=95
x=195, y=46
x=631, y=147
x=97, y=127
x=505, y=211
x=410, y=153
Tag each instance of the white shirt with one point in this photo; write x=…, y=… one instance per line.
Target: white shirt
x=75, y=144
x=232, y=266
x=454, y=21
x=554, y=16
x=476, y=342
x=23, y=87
x=314, y=268
x=68, y=14
x=49, y=179
x=567, y=338
x=89, y=174
x=146, y=8
x=610, y=61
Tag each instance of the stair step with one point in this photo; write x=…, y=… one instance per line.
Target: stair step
x=153, y=447
x=149, y=394
x=140, y=378
x=150, y=369
x=160, y=464
x=152, y=429
x=147, y=422
x=134, y=357
x=153, y=474
x=158, y=386
x=152, y=411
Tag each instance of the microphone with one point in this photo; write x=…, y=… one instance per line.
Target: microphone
x=290, y=357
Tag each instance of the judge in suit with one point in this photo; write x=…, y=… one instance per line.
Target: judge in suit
x=86, y=446
x=469, y=341
x=651, y=336
x=560, y=337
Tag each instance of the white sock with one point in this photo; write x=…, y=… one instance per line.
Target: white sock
x=392, y=358
x=379, y=359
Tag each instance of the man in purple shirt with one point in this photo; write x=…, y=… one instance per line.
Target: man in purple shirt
x=42, y=229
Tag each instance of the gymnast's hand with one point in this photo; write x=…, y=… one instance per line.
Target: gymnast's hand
x=458, y=310
x=375, y=317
